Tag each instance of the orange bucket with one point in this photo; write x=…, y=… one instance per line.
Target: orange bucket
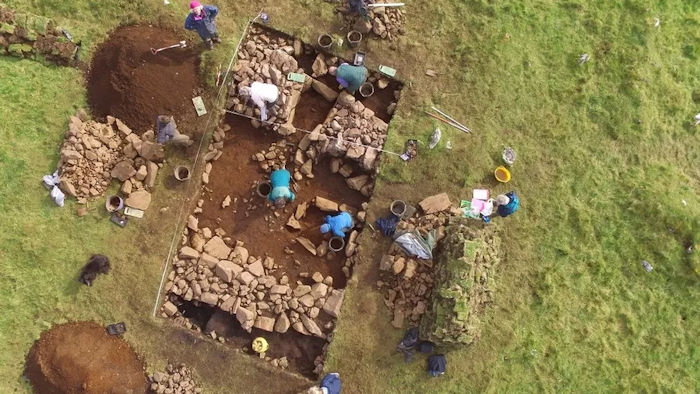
x=502, y=174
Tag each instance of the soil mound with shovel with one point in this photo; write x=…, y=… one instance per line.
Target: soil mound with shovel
x=129, y=82
x=82, y=358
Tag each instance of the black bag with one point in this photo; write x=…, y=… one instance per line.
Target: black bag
x=437, y=364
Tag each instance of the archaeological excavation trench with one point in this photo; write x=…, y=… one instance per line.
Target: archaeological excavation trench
x=245, y=269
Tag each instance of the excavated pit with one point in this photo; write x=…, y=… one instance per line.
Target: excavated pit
x=235, y=174
x=300, y=350
x=232, y=174
x=127, y=81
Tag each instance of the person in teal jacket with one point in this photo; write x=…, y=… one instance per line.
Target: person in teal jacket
x=280, y=193
x=349, y=77
x=337, y=224
x=507, y=204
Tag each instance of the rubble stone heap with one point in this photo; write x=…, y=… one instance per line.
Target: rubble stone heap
x=408, y=281
x=175, y=380
x=217, y=272
x=93, y=153
x=266, y=59
x=383, y=22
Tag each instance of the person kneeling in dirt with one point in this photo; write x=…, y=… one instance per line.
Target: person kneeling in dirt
x=507, y=204
x=338, y=224
x=168, y=134
x=264, y=95
x=349, y=77
x=280, y=193
x=201, y=18
x=359, y=7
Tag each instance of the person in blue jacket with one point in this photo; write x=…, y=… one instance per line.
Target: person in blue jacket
x=201, y=18
x=280, y=193
x=507, y=204
x=337, y=224
x=330, y=384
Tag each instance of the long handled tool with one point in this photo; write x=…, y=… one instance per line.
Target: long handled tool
x=385, y=5
x=452, y=119
x=446, y=121
x=180, y=44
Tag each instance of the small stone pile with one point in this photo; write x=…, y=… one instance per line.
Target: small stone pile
x=384, y=22
x=350, y=131
x=408, y=281
x=275, y=157
x=266, y=59
x=93, y=153
x=34, y=36
x=175, y=380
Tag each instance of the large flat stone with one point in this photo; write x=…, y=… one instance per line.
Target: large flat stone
x=437, y=203
x=217, y=248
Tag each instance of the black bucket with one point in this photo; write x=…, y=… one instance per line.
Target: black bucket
x=336, y=244
x=264, y=189
x=398, y=208
x=367, y=89
x=325, y=41
x=354, y=37
x=182, y=173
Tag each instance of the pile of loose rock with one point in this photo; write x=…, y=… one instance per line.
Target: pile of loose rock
x=406, y=280
x=384, y=22
x=175, y=380
x=215, y=271
x=266, y=59
x=275, y=157
x=93, y=153
x=34, y=36
x=351, y=131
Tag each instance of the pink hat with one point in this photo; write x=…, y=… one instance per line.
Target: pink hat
x=194, y=4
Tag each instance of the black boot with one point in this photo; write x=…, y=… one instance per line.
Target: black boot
x=216, y=38
x=208, y=43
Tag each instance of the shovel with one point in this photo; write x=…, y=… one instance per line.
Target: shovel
x=181, y=44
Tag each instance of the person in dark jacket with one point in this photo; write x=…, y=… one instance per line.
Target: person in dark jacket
x=168, y=133
x=359, y=7
x=201, y=18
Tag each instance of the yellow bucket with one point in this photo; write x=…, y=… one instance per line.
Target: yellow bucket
x=259, y=345
x=502, y=174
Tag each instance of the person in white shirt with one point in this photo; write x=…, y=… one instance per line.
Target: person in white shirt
x=264, y=95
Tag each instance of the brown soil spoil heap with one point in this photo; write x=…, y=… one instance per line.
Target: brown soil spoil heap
x=83, y=358
x=127, y=81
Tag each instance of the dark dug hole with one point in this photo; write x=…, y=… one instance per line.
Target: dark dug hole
x=235, y=174
x=83, y=358
x=300, y=350
x=127, y=81
x=311, y=111
x=381, y=98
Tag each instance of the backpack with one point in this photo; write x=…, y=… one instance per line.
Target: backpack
x=437, y=364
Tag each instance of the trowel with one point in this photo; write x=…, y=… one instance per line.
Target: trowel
x=181, y=44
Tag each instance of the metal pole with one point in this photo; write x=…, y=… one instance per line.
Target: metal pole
x=451, y=118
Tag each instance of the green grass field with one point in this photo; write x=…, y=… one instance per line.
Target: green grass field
x=608, y=172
